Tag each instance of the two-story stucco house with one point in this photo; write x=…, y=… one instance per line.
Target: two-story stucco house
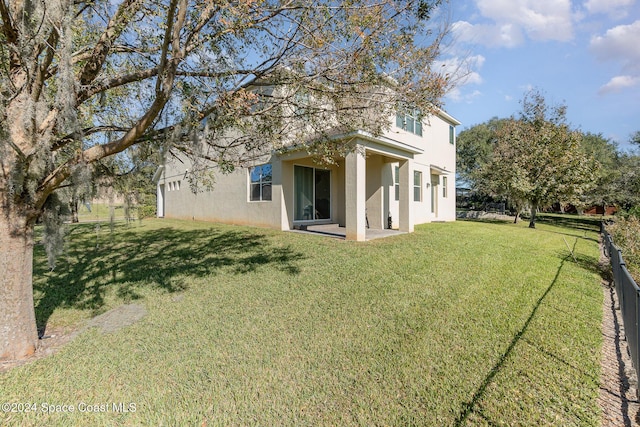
x=397, y=180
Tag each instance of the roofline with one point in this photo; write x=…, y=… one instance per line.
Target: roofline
x=383, y=140
x=439, y=170
x=448, y=117
x=158, y=174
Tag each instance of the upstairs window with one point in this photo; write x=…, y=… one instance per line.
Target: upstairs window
x=452, y=135
x=260, y=178
x=301, y=103
x=417, y=186
x=410, y=119
x=396, y=183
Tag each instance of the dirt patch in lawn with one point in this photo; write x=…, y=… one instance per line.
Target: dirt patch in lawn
x=54, y=339
x=118, y=318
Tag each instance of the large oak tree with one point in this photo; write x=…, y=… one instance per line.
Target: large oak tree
x=83, y=81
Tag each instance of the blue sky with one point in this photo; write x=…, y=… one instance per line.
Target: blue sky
x=583, y=53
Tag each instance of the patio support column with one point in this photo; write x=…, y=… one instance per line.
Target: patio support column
x=355, y=189
x=160, y=200
x=406, y=196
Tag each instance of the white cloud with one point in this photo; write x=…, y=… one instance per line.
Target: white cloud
x=620, y=43
x=511, y=20
x=462, y=70
x=506, y=35
x=613, y=8
x=456, y=95
x=619, y=83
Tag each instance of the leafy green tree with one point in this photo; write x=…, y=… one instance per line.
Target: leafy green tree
x=619, y=182
x=82, y=81
x=538, y=159
x=626, y=187
x=605, y=177
x=474, y=148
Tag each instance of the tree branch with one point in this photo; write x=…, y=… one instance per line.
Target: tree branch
x=92, y=68
x=88, y=91
x=11, y=35
x=43, y=68
x=62, y=142
x=9, y=31
x=133, y=135
x=166, y=43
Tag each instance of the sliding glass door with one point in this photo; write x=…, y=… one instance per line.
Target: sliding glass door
x=323, y=194
x=312, y=198
x=303, y=197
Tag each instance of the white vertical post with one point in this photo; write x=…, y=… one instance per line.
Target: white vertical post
x=160, y=200
x=355, y=188
x=406, y=196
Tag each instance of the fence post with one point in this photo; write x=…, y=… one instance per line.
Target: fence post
x=628, y=293
x=616, y=266
x=636, y=338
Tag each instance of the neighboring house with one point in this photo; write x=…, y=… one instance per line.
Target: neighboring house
x=591, y=210
x=397, y=180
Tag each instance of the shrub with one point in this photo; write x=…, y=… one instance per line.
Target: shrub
x=634, y=212
x=626, y=236
x=146, y=211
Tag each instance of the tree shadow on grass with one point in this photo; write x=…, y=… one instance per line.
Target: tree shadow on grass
x=471, y=407
x=488, y=220
x=124, y=260
x=577, y=223
x=585, y=262
x=571, y=221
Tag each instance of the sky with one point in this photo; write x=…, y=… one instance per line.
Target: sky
x=581, y=53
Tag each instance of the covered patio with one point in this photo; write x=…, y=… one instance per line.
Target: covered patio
x=357, y=198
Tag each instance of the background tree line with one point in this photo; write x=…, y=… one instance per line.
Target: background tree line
x=536, y=160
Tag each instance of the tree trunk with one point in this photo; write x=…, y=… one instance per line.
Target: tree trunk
x=534, y=210
x=515, y=221
x=18, y=333
x=73, y=204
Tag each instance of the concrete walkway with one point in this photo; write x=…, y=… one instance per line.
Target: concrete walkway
x=618, y=381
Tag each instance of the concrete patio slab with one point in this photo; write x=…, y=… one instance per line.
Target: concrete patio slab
x=338, y=232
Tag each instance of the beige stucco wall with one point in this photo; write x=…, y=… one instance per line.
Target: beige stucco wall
x=438, y=152
x=227, y=202
x=374, y=191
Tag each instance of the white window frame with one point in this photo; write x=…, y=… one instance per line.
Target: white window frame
x=261, y=183
x=396, y=183
x=410, y=120
x=444, y=187
x=417, y=188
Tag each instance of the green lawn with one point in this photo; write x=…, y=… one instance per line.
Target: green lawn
x=104, y=212
x=462, y=323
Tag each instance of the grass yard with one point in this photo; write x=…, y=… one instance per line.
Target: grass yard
x=104, y=212
x=462, y=323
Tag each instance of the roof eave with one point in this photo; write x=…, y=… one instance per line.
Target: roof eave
x=448, y=117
